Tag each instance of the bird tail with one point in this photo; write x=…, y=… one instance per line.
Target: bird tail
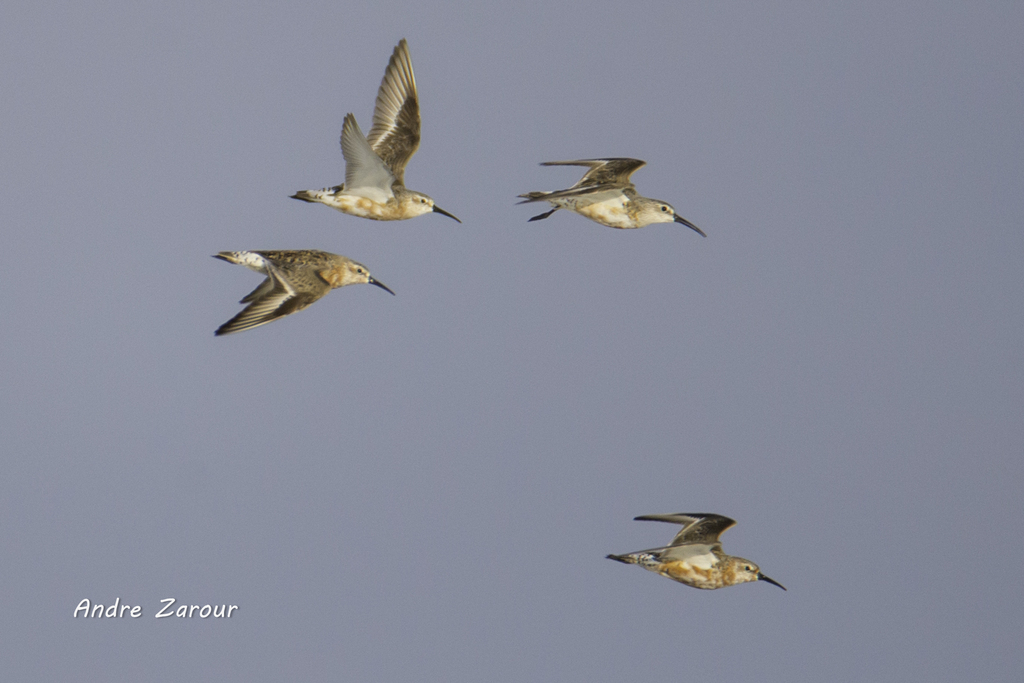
x=626, y=559
x=250, y=259
x=231, y=256
x=314, y=196
x=533, y=196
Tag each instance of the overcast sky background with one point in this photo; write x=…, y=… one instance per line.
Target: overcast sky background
x=424, y=487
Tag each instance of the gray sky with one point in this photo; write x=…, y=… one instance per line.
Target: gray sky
x=423, y=487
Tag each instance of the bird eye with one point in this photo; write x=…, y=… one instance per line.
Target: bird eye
x=664, y=209
x=360, y=271
x=748, y=568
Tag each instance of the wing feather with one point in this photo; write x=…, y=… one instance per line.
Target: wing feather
x=698, y=527
x=612, y=171
x=395, y=134
x=364, y=170
x=276, y=301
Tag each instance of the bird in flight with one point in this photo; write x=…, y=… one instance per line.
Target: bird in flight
x=695, y=555
x=374, y=184
x=605, y=194
x=295, y=279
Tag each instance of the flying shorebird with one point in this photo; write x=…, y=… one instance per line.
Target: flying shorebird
x=295, y=279
x=695, y=556
x=604, y=194
x=374, y=184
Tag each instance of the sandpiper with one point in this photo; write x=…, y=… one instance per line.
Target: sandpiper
x=695, y=556
x=295, y=279
x=604, y=194
x=374, y=184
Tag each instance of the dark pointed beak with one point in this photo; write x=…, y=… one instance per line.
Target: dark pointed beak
x=762, y=577
x=438, y=209
x=381, y=285
x=680, y=219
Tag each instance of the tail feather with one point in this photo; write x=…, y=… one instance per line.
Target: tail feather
x=307, y=196
x=250, y=259
x=532, y=196
x=229, y=256
x=313, y=196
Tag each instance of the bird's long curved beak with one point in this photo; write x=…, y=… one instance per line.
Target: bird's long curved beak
x=381, y=285
x=680, y=219
x=762, y=577
x=438, y=209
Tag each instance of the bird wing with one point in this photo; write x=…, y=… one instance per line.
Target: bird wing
x=270, y=303
x=592, y=191
x=395, y=134
x=613, y=171
x=698, y=527
x=265, y=288
x=700, y=555
x=364, y=170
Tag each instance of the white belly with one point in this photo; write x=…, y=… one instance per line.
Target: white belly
x=611, y=211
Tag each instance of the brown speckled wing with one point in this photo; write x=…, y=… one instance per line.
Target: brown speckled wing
x=395, y=135
x=297, y=257
x=613, y=171
x=275, y=298
x=698, y=527
x=574, y=191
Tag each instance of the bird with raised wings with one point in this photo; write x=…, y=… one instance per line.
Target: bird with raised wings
x=374, y=184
